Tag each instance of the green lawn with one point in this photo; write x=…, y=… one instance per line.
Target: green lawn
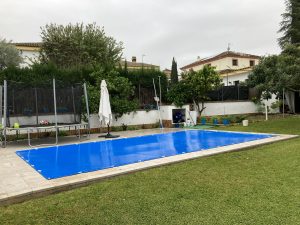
x=257, y=186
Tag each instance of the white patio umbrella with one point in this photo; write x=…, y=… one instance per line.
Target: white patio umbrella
x=105, y=114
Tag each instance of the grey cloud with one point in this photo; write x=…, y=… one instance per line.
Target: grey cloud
x=159, y=29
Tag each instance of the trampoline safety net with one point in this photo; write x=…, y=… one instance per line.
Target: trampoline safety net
x=30, y=105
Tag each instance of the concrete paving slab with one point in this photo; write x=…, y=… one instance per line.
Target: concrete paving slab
x=20, y=182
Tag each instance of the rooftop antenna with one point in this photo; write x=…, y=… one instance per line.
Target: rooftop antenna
x=228, y=47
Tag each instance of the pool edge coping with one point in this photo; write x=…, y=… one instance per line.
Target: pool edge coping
x=85, y=179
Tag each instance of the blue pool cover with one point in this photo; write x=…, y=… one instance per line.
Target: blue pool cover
x=60, y=161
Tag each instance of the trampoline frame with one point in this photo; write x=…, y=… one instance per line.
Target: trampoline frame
x=29, y=129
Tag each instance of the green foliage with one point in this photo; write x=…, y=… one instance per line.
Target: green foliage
x=180, y=93
x=290, y=25
x=174, y=72
x=277, y=72
x=42, y=74
x=276, y=105
x=120, y=89
x=9, y=55
x=144, y=78
x=195, y=87
x=259, y=186
x=79, y=45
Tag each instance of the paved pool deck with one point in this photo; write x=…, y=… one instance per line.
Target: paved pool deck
x=20, y=182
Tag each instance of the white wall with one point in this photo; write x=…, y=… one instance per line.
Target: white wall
x=218, y=108
x=269, y=104
x=166, y=111
x=151, y=117
x=134, y=118
x=229, y=108
x=28, y=56
x=226, y=63
x=241, y=77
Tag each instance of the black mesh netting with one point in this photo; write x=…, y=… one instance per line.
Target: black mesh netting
x=36, y=101
x=229, y=93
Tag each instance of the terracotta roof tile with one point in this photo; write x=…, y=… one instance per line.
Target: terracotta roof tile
x=28, y=44
x=219, y=56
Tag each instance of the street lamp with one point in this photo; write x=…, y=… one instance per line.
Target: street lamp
x=139, y=77
x=143, y=61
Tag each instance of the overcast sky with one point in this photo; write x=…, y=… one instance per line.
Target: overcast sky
x=159, y=29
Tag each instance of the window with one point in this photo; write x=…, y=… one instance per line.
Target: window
x=252, y=63
x=235, y=62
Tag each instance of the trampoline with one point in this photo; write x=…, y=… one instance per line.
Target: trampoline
x=50, y=106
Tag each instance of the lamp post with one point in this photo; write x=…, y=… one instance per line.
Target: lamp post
x=143, y=61
x=139, y=77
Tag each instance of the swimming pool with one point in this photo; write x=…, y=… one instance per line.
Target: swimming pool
x=66, y=160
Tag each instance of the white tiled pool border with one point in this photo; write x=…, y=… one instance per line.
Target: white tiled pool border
x=34, y=185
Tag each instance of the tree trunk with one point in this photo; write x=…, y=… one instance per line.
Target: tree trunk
x=198, y=107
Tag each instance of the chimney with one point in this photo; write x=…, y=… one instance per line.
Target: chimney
x=134, y=59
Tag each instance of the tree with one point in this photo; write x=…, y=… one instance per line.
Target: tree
x=201, y=82
x=144, y=80
x=121, y=93
x=174, y=72
x=276, y=72
x=180, y=93
x=9, y=55
x=194, y=87
x=78, y=45
x=290, y=25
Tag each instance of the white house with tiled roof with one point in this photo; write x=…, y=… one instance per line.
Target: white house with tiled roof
x=134, y=65
x=29, y=51
x=234, y=67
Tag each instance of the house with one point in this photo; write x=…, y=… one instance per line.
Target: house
x=134, y=65
x=167, y=72
x=234, y=67
x=29, y=51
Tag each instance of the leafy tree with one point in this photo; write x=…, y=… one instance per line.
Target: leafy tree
x=174, y=72
x=42, y=74
x=121, y=93
x=78, y=45
x=276, y=72
x=9, y=55
x=180, y=93
x=145, y=78
x=194, y=87
x=202, y=82
x=290, y=25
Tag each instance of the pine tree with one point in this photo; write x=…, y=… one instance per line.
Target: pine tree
x=125, y=68
x=290, y=25
x=174, y=72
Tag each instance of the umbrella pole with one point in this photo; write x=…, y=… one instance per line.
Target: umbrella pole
x=108, y=133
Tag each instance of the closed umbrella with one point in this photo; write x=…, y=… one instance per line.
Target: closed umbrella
x=105, y=115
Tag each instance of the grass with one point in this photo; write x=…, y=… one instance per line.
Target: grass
x=288, y=125
x=257, y=186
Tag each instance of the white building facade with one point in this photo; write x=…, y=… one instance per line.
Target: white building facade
x=234, y=67
x=29, y=51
